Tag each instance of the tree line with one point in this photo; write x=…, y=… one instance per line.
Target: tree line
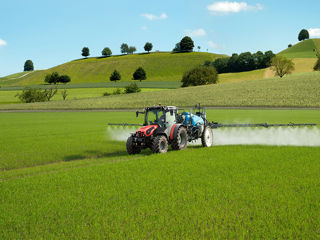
x=242, y=62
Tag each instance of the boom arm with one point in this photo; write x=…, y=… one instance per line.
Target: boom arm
x=266, y=125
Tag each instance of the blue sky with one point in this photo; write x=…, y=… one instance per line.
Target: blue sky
x=53, y=32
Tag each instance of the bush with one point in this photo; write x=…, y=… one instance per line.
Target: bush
x=140, y=74
x=85, y=52
x=30, y=95
x=116, y=91
x=106, y=94
x=52, y=78
x=132, y=88
x=303, y=35
x=200, y=76
x=317, y=65
x=64, y=79
x=290, y=45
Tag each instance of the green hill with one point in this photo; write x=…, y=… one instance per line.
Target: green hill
x=298, y=90
x=159, y=67
x=304, y=49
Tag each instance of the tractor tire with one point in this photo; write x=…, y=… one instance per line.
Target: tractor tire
x=159, y=144
x=207, y=137
x=131, y=146
x=181, y=140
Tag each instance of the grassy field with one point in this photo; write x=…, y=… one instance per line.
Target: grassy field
x=302, y=49
x=93, y=189
x=298, y=90
x=159, y=67
x=9, y=97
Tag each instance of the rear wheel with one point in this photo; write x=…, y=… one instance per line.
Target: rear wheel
x=159, y=144
x=207, y=137
x=132, y=148
x=181, y=140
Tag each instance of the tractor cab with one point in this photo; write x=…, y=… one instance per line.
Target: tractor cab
x=160, y=116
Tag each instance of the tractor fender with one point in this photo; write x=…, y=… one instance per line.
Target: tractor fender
x=160, y=131
x=174, y=131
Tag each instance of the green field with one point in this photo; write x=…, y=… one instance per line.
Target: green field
x=298, y=90
x=304, y=49
x=159, y=67
x=92, y=189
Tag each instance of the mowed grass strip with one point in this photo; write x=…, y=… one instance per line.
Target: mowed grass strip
x=159, y=67
x=31, y=139
x=235, y=192
x=298, y=90
x=9, y=97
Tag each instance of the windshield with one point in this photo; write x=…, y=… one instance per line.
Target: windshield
x=155, y=117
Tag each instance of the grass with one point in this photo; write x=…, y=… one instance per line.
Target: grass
x=298, y=90
x=95, y=191
x=29, y=139
x=159, y=67
x=302, y=49
x=9, y=97
x=241, y=76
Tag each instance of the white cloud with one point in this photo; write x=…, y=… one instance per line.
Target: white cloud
x=144, y=28
x=212, y=44
x=154, y=17
x=2, y=42
x=196, y=32
x=314, y=32
x=231, y=7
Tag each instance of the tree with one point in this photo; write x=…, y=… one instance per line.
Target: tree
x=233, y=63
x=258, y=60
x=221, y=65
x=106, y=52
x=177, y=48
x=201, y=75
x=199, y=48
x=186, y=44
x=303, y=35
x=290, y=45
x=64, y=94
x=28, y=66
x=50, y=92
x=115, y=76
x=64, y=79
x=268, y=55
x=85, y=52
x=140, y=74
x=132, y=49
x=317, y=64
x=246, y=62
x=207, y=63
x=124, y=48
x=29, y=95
x=281, y=66
x=148, y=47
x=52, y=78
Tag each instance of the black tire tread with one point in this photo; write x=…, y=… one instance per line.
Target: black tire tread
x=176, y=141
x=156, y=143
x=131, y=147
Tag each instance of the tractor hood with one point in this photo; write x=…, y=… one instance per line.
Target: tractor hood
x=146, y=131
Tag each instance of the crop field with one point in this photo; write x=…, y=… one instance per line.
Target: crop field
x=9, y=97
x=298, y=90
x=62, y=176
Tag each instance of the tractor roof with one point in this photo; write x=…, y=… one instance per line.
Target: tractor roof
x=165, y=108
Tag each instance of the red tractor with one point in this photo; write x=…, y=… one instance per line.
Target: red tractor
x=164, y=126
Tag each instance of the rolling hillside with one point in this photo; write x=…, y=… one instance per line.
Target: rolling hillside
x=304, y=49
x=159, y=67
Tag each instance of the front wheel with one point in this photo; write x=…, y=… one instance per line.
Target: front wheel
x=132, y=148
x=207, y=137
x=159, y=144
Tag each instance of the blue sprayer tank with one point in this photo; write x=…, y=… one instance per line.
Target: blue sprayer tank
x=193, y=119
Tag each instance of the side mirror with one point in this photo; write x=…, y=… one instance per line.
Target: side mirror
x=137, y=113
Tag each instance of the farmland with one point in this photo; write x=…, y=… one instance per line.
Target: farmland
x=304, y=49
x=63, y=177
x=298, y=90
